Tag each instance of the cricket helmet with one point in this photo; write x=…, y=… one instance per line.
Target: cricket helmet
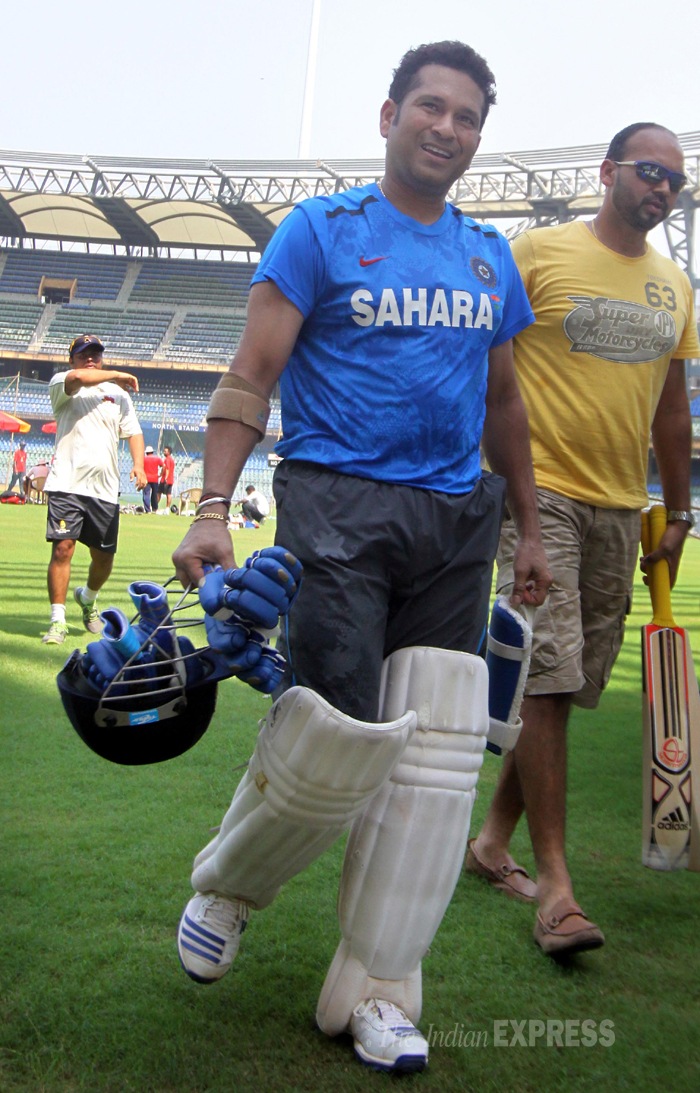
x=143, y=693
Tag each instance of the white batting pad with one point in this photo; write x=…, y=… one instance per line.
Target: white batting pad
x=312, y=773
x=405, y=851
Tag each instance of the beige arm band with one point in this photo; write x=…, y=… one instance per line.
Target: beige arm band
x=237, y=400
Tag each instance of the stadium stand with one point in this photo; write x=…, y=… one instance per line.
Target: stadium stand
x=128, y=333
x=205, y=284
x=97, y=277
x=184, y=312
x=203, y=336
x=17, y=323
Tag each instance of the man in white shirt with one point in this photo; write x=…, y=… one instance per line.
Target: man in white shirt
x=93, y=411
x=256, y=506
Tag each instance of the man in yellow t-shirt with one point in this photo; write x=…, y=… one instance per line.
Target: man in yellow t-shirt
x=602, y=369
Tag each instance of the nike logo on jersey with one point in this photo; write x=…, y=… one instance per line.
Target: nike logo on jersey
x=370, y=261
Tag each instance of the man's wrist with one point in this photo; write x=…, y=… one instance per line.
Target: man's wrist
x=213, y=500
x=677, y=516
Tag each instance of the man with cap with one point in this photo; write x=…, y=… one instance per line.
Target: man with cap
x=93, y=410
x=152, y=464
x=19, y=465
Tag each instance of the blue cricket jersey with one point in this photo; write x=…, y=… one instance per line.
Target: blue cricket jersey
x=388, y=376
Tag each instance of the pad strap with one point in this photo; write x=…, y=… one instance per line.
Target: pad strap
x=237, y=400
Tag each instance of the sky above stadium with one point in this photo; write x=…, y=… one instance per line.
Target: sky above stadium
x=226, y=80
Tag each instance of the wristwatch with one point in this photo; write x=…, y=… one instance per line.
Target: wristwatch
x=674, y=516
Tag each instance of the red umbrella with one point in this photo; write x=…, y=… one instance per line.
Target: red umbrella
x=11, y=424
x=48, y=427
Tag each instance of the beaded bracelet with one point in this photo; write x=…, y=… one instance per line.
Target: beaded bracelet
x=210, y=516
x=213, y=501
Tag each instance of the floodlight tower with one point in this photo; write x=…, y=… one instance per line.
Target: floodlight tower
x=309, y=83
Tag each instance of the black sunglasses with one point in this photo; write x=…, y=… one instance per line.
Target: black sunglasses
x=654, y=172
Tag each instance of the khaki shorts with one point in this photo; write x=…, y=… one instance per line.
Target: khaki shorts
x=592, y=553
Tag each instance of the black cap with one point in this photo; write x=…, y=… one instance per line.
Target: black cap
x=84, y=341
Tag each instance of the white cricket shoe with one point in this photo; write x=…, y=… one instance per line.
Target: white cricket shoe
x=385, y=1039
x=209, y=935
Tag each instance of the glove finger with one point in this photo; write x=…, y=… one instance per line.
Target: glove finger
x=104, y=659
x=253, y=580
x=226, y=637
x=267, y=674
x=277, y=572
x=285, y=558
x=211, y=590
x=150, y=600
x=253, y=609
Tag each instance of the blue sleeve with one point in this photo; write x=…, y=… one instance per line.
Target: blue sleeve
x=517, y=313
x=293, y=260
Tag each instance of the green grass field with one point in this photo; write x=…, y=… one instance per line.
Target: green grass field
x=95, y=864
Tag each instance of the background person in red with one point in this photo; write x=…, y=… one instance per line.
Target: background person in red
x=167, y=476
x=19, y=465
x=151, y=464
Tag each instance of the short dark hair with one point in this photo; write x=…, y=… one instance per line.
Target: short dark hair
x=616, y=151
x=455, y=55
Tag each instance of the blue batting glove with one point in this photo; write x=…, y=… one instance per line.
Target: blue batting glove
x=102, y=663
x=265, y=587
x=151, y=602
x=267, y=674
x=238, y=644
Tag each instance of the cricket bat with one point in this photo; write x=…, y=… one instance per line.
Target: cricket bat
x=671, y=710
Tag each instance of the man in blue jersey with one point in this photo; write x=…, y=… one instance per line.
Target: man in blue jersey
x=387, y=317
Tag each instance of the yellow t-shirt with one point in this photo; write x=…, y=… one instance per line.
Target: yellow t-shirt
x=592, y=367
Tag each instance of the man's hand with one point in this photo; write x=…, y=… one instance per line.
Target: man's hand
x=670, y=548
x=531, y=575
x=125, y=380
x=138, y=475
x=207, y=543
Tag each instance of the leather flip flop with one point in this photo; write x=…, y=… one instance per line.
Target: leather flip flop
x=513, y=880
x=567, y=930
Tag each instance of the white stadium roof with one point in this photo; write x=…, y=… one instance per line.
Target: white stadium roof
x=222, y=208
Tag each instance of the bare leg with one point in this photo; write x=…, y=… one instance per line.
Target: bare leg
x=58, y=576
x=540, y=758
x=100, y=568
x=533, y=779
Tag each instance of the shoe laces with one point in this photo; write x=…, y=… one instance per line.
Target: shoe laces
x=223, y=914
x=392, y=1016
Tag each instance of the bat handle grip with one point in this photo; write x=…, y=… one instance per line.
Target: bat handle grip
x=645, y=533
x=659, y=574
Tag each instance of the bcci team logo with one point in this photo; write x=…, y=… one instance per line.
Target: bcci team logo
x=483, y=271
